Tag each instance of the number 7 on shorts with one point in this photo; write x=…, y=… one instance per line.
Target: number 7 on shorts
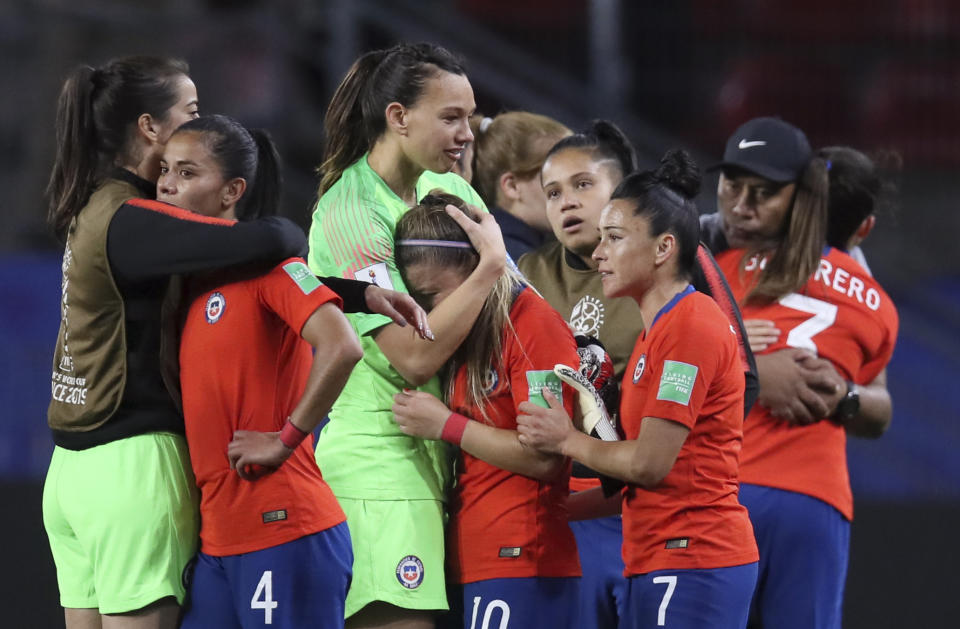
x=671, y=582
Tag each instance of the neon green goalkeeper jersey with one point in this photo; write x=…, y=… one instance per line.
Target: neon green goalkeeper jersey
x=361, y=452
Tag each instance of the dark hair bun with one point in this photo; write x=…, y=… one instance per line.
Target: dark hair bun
x=615, y=141
x=679, y=172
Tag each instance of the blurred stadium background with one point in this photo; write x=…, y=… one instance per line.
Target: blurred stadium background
x=877, y=74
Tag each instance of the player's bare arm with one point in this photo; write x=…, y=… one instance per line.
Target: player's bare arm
x=327, y=328
x=875, y=412
x=400, y=307
x=451, y=320
x=422, y=415
x=644, y=461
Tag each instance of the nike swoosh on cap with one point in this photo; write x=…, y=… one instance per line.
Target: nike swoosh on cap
x=744, y=144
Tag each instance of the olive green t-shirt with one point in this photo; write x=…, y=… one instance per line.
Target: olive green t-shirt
x=576, y=292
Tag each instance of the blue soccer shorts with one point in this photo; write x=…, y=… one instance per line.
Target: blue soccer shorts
x=804, y=548
x=514, y=603
x=603, y=588
x=302, y=583
x=718, y=598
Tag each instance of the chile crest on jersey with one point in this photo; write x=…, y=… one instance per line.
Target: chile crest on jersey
x=638, y=370
x=215, y=307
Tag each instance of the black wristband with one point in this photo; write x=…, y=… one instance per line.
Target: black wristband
x=849, y=404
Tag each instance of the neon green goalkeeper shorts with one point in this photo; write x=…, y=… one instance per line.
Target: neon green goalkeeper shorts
x=397, y=553
x=122, y=519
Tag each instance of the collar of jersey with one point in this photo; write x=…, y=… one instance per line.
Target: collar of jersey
x=670, y=304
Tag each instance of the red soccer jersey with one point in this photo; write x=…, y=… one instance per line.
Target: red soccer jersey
x=503, y=524
x=686, y=368
x=842, y=315
x=243, y=366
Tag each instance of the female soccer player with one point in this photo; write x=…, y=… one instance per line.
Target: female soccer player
x=509, y=544
x=578, y=176
x=688, y=546
x=508, y=153
x=793, y=469
x=395, y=127
x=262, y=537
x=116, y=425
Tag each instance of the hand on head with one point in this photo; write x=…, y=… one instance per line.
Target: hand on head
x=485, y=237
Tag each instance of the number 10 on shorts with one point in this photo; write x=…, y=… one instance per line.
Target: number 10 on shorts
x=267, y=604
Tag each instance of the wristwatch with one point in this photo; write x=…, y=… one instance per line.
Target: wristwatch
x=849, y=404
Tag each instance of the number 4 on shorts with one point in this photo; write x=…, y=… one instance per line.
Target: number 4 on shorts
x=671, y=585
x=267, y=604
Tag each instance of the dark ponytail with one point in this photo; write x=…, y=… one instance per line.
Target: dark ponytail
x=95, y=116
x=250, y=155
x=607, y=142
x=267, y=183
x=859, y=186
x=355, y=117
x=75, y=166
x=343, y=125
x=665, y=198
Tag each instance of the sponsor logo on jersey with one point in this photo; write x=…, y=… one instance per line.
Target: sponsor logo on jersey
x=215, y=307
x=676, y=382
x=302, y=277
x=410, y=572
x=680, y=542
x=587, y=316
x=274, y=516
x=375, y=274
x=510, y=552
x=638, y=370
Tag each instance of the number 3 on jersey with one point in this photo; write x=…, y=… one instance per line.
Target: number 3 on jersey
x=267, y=604
x=824, y=314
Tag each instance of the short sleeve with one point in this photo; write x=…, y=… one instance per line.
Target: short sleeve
x=889, y=325
x=352, y=239
x=683, y=364
x=542, y=340
x=294, y=293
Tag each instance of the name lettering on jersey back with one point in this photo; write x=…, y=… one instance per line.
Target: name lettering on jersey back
x=848, y=284
x=837, y=279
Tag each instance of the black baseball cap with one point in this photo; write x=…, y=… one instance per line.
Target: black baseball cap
x=768, y=147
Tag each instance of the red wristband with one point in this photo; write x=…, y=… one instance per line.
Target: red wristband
x=453, y=428
x=291, y=436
